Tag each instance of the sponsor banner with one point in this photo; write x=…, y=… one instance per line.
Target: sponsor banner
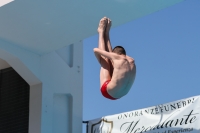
x=180, y=116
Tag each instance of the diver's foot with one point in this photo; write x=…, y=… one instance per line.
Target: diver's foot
x=102, y=25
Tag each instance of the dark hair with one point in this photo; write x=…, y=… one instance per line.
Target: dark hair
x=119, y=50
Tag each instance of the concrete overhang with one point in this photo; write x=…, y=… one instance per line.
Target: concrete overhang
x=4, y=2
x=42, y=26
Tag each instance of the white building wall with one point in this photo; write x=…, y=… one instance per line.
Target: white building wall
x=3, y=64
x=56, y=86
x=63, y=86
x=24, y=62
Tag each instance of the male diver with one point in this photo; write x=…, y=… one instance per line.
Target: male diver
x=118, y=70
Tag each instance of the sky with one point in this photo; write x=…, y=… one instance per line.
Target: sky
x=166, y=49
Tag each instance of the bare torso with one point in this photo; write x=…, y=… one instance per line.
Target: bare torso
x=123, y=76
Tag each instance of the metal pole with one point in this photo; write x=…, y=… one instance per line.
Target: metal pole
x=86, y=122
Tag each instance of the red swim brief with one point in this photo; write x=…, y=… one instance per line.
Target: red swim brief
x=104, y=91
